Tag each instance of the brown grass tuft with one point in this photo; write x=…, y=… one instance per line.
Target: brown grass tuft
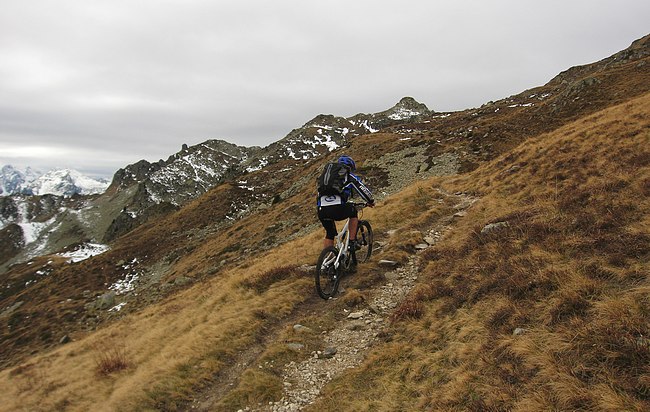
x=110, y=360
x=430, y=291
x=410, y=308
x=501, y=319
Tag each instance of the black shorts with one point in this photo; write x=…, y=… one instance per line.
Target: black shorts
x=329, y=214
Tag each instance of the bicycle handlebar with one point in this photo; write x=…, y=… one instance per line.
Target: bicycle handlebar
x=360, y=206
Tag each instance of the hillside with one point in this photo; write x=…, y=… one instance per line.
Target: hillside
x=531, y=294
x=537, y=300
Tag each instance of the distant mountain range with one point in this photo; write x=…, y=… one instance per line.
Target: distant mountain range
x=61, y=182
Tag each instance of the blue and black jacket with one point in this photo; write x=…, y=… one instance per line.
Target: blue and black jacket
x=353, y=187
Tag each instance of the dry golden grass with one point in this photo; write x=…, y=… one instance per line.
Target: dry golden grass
x=569, y=272
x=174, y=347
x=257, y=387
x=263, y=281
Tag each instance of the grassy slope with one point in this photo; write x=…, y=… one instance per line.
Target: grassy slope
x=176, y=347
x=571, y=270
x=168, y=347
x=184, y=343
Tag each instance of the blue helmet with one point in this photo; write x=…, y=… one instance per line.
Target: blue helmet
x=347, y=160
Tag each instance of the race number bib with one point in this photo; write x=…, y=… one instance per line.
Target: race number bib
x=330, y=200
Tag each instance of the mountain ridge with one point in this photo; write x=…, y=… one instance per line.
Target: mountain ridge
x=143, y=191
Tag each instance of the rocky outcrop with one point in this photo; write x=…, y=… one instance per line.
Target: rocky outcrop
x=184, y=175
x=8, y=209
x=194, y=170
x=11, y=241
x=134, y=173
x=26, y=209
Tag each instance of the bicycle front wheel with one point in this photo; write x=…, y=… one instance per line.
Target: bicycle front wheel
x=364, y=239
x=327, y=275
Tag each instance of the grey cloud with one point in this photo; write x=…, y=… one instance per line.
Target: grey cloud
x=123, y=80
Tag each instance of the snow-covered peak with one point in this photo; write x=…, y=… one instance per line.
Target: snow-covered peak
x=16, y=181
x=62, y=182
x=67, y=182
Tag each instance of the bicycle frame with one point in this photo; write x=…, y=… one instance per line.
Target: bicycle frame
x=342, y=243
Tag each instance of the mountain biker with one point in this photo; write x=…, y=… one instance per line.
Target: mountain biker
x=332, y=208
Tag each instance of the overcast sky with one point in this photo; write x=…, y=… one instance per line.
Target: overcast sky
x=96, y=85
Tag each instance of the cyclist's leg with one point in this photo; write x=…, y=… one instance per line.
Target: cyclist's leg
x=354, y=223
x=329, y=225
x=352, y=213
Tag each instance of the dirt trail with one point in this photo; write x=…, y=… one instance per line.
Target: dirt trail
x=347, y=343
x=358, y=331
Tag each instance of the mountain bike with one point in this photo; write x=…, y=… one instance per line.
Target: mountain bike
x=334, y=261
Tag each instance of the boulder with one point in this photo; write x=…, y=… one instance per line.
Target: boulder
x=494, y=227
x=355, y=315
x=388, y=263
x=301, y=329
x=105, y=301
x=327, y=353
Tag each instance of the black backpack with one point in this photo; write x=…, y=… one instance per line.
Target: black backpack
x=332, y=179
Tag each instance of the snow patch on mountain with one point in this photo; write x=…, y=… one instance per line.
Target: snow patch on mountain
x=85, y=251
x=325, y=139
x=33, y=230
x=22, y=217
x=130, y=279
x=262, y=163
x=369, y=128
x=403, y=113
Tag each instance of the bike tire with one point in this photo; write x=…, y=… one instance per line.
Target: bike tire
x=365, y=239
x=327, y=276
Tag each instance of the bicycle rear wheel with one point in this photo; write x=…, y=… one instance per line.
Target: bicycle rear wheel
x=364, y=239
x=327, y=276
